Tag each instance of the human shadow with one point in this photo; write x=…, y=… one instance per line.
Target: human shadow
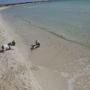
x=1, y=51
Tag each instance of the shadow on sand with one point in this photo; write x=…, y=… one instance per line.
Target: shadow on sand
x=2, y=51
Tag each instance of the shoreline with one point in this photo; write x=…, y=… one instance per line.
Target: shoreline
x=61, y=36
x=57, y=64
x=23, y=3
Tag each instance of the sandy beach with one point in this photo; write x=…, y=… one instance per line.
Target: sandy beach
x=15, y=72
x=57, y=65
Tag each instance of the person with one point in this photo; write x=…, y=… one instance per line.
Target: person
x=5, y=47
x=36, y=45
x=10, y=43
x=13, y=43
x=37, y=42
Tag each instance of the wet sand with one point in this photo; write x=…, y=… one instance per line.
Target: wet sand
x=58, y=64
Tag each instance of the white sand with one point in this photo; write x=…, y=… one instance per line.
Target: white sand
x=57, y=64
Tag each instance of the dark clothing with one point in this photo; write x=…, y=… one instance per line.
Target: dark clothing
x=9, y=43
x=13, y=43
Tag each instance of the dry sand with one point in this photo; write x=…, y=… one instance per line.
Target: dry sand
x=57, y=65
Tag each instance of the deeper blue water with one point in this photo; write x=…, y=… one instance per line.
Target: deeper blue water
x=14, y=1
x=68, y=18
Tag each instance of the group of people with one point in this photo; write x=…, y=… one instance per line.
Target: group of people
x=7, y=46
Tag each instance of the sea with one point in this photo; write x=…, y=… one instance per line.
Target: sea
x=68, y=19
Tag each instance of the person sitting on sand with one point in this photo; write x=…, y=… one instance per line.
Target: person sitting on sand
x=13, y=43
x=37, y=42
x=5, y=47
x=36, y=45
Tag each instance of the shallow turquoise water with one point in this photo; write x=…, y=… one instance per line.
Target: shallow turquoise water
x=68, y=18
